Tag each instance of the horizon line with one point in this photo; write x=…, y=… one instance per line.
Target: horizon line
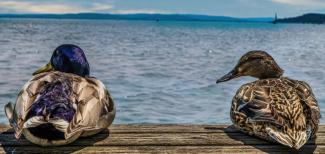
x=112, y=13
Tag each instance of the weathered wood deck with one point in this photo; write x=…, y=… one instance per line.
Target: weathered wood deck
x=162, y=139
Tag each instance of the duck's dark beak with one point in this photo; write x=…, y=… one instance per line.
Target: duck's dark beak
x=48, y=67
x=231, y=75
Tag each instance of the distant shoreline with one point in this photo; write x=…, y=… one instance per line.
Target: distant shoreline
x=145, y=17
x=136, y=20
x=310, y=18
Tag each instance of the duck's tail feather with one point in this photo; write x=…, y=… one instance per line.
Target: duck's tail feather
x=59, y=124
x=52, y=129
x=279, y=137
x=9, y=111
x=296, y=141
x=12, y=117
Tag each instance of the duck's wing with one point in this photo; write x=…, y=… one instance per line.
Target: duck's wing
x=254, y=112
x=256, y=104
x=312, y=110
x=95, y=107
x=25, y=99
x=275, y=109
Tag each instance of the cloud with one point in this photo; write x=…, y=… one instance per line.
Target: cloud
x=33, y=7
x=101, y=7
x=310, y=3
x=66, y=7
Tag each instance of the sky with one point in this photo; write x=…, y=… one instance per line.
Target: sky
x=234, y=8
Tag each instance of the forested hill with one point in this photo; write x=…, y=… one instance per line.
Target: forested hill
x=314, y=18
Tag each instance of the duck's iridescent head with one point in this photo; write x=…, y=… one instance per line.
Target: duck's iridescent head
x=258, y=64
x=67, y=58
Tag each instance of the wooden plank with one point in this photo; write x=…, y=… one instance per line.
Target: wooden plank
x=156, y=128
x=167, y=128
x=162, y=149
x=162, y=138
x=165, y=139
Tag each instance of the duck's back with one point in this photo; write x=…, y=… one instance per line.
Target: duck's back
x=83, y=106
x=278, y=109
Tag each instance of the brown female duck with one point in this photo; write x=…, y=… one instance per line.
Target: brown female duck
x=274, y=108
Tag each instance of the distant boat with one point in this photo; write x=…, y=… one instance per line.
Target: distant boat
x=275, y=19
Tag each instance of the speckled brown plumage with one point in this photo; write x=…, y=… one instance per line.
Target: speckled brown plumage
x=274, y=108
x=278, y=109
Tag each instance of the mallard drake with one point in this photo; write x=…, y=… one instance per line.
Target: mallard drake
x=274, y=108
x=61, y=102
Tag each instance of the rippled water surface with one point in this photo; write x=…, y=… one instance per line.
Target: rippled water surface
x=162, y=72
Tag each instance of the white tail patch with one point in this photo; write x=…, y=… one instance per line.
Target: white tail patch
x=59, y=124
x=33, y=122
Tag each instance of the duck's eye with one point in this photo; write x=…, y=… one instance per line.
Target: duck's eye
x=250, y=59
x=56, y=53
x=254, y=58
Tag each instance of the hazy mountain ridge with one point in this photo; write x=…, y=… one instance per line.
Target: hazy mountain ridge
x=156, y=17
x=306, y=18
x=314, y=18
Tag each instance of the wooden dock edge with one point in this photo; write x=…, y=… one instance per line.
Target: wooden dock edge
x=162, y=138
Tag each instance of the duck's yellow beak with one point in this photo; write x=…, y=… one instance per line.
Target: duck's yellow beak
x=48, y=67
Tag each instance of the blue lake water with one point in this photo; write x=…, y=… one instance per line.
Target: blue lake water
x=162, y=72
